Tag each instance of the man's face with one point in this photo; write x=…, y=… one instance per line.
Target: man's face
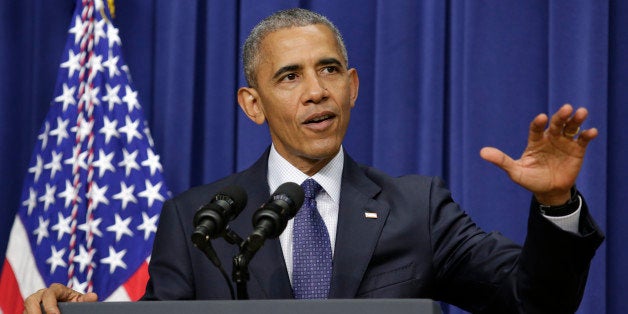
x=304, y=92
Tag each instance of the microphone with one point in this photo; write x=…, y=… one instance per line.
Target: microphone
x=270, y=220
x=210, y=220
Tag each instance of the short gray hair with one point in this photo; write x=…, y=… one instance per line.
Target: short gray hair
x=296, y=17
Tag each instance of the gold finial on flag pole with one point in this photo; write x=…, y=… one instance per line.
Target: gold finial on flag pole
x=112, y=8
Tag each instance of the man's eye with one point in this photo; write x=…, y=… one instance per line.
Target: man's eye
x=330, y=69
x=290, y=77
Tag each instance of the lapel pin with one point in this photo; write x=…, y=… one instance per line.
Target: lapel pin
x=370, y=215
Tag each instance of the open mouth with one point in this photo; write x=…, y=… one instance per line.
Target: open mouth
x=320, y=119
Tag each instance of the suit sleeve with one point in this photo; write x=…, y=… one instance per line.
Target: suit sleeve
x=488, y=273
x=170, y=269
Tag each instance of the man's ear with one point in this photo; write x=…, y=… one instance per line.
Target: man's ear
x=249, y=101
x=354, y=83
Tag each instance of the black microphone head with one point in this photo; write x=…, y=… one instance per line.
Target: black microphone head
x=235, y=196
x=292, y=194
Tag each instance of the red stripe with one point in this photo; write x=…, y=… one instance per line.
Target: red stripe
x=11, y=300
x=136, y=285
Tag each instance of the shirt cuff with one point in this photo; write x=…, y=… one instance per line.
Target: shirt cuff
x=569, y=222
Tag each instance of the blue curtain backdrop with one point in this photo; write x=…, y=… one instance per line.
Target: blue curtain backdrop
x=439, y=80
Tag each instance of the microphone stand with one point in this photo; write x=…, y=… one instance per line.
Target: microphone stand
x=240, y=273
x=205, y=246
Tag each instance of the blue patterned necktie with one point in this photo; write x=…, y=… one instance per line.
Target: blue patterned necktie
x=311, y=253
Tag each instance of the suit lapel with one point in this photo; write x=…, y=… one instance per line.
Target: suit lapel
x=267, y=269
x=357, y=235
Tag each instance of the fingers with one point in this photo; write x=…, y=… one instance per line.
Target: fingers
x=559, y=119
x=47, y=299
x=563, y=123
x=537, y=127
x=586, y=137
x=32, y=303
x=88, y=297
x=572, y=125
x=55, y=293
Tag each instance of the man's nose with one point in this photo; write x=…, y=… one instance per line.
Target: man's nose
x=315, y=90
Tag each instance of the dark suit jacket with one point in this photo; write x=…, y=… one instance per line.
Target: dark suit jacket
x=422, y=245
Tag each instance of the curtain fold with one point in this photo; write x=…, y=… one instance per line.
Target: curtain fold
x=439, y=80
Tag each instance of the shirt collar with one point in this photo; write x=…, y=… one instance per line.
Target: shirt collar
x=329, y=177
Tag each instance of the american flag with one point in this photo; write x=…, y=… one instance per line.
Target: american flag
x=94, y=188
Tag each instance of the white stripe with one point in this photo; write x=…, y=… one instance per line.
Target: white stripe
x=20, y=257
x=119, y=295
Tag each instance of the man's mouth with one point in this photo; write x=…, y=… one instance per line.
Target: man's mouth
x=319, y=119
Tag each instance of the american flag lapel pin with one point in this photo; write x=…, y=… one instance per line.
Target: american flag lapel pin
x=370, y=215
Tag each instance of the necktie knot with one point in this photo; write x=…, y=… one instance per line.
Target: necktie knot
x=311, y=188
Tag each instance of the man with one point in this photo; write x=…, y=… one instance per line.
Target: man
x=388, y=237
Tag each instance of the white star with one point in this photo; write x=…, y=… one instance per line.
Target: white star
x=91, y=96
x=112, y=35
x=121, y=227
x=83, y=129
x=72, y=64
x=31, y=202
x=149, y=224
x=152, y=161
x=112, y=65
x=99, y=30
x=126, y=194
x=78, y=286
x=91, y=226
x=77, y=29
x=114, y=259
x=56, y=259
x=95, y=65
x=67, y=97
x=49, y=197
x=104, y=163
x=42, y=230
x=112, y=96
x=63, y=226
x=55, y=164
x=44, y=135
x=74, y=161
x=110, y=129
x=84, y=258
x=130, y=128
x=128, y=161
x=61, y=131
x=97, y=195
x=130, y=98
x=70, y=193
x=37, y=168
x=152, y=193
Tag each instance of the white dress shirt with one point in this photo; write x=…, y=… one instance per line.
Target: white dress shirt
x=327, y=201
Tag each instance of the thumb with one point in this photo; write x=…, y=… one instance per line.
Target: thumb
x=498, y=158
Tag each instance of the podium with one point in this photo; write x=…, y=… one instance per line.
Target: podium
x=332, y=306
